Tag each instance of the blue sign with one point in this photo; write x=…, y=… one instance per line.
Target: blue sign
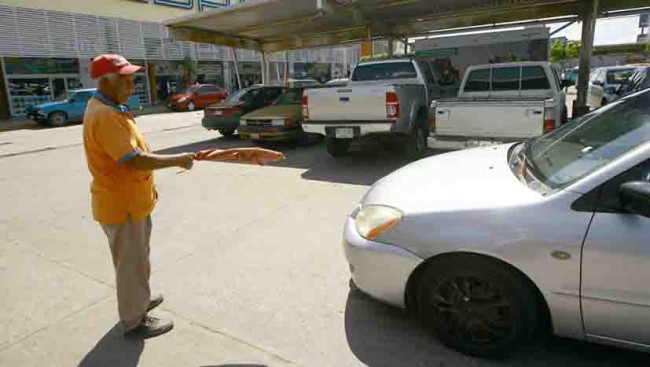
x=189, y=4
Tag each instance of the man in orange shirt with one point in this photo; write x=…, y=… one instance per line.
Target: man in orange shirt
x=123, y=191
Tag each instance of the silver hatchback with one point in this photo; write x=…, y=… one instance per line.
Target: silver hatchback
x=487, y=245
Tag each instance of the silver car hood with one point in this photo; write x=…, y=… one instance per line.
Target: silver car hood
x=464, y=180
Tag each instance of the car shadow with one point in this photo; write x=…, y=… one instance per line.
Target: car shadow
x=114, y=350
x=381, y=335
x=367, y=162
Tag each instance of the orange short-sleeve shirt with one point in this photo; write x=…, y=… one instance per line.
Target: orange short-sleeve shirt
x=110, y=139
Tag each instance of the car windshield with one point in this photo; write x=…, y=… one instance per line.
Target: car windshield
x=244, y=95
x=579, y=148
x=290, y=97
x=387, y=70
x=189, y=90
x=64, y=96
x=618, y=76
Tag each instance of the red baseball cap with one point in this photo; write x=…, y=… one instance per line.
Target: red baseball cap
x=108, y=63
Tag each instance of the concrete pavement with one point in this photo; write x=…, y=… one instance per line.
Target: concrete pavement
x=248, y=258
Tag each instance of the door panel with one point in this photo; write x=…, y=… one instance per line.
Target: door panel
x=616, y=270
x=616, y=267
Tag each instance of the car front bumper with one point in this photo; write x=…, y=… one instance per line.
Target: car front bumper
x=380, y=270
x=269, y=133
x=216, y=122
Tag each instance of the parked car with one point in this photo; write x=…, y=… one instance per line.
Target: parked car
x=281, y=121
x=196, y=97
x=303, y=83
x=604, y=82
x=522, y=99
x=338, y=82
x=224, y=116
x=637, y=81
x=571, y=74
x=488, y=244
x=71, y=108
x=386, y=98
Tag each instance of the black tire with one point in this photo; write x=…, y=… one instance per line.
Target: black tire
x=227, y=132
x=565, y=116
x=57, y=119
x=415, y=146
x=603, y=102
x=338, y=147
x=477, y=306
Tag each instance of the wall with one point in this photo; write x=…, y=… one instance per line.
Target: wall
x=126, y=9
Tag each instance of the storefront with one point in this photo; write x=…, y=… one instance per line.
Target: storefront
x=319, y=71
x=32, y=81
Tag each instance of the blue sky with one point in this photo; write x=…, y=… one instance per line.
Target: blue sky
x=608, y=31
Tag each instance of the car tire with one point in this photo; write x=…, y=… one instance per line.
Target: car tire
x=338, y=147
x=228, y=133
x=191, y=106
x=477, y=306
x=415, y=146
x=603, y=102
x=57, y=119
x=565, y=116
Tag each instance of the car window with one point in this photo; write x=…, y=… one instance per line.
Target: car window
x=558, y=79
x=590, y=142
x=291, y=96
x=245, y=95
x=426, y=70
x=388, y=70
x=505, y=79
x=533, y=78
x=609, y=199
x=209, y=89
x=618, y=76
x=81, y=96
x=478, y=81
x=271, y=94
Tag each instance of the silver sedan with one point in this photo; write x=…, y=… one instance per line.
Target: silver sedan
x=487, y=245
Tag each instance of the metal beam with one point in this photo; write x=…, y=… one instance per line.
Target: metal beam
x=234, y=56
x=563, y=27
x=589, y=16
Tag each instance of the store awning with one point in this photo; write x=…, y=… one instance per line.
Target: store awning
x=276, y=25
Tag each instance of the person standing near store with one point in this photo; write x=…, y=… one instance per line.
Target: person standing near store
x=123, y=192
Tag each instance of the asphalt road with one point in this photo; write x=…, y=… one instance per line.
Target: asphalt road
x=248, y=258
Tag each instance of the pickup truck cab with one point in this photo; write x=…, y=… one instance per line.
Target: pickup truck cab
x=387, y=98
x=501, y=102
x=69, y=108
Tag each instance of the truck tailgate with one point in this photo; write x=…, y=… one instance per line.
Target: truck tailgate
x=490, y=119
x=356, y=103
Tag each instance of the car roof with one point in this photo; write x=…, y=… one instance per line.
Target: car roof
x=511, y=64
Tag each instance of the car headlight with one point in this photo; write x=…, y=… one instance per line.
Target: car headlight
x=243, y=122
x=277, y=122
x=374, y=220
x=40, y=112
x=183, y=99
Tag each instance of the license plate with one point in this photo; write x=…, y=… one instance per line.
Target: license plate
x=255, y=136
x=344, y=133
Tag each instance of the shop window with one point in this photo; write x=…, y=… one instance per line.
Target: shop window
x=28, y=92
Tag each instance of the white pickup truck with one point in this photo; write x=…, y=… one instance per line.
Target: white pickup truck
x=388, y=98
x=500, y=103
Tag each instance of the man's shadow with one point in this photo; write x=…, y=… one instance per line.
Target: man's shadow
x=114, y=350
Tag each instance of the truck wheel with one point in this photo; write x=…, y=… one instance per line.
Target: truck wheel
x=338, y=147
x=415, y=146
x=57, y=119
x=228, y=132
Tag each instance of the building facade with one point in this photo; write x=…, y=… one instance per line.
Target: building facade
x=46, y=48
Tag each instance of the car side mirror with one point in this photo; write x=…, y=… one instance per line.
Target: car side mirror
x=598, y=83
x=566, y=83
x=635, y=196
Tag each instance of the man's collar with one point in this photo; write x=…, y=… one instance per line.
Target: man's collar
x=119, y=107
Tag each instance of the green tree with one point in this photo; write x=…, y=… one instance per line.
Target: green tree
x=558, y=51
x=573, y=49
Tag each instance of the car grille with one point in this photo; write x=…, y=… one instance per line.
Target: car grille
x=259, y=122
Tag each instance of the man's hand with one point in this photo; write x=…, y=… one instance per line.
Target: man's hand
x=185, y=160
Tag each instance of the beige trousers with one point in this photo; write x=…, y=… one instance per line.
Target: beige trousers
x=129, y=244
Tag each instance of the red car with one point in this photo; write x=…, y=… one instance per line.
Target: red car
x=196, y=97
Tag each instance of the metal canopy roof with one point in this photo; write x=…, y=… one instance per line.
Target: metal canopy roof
x=276, y=25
